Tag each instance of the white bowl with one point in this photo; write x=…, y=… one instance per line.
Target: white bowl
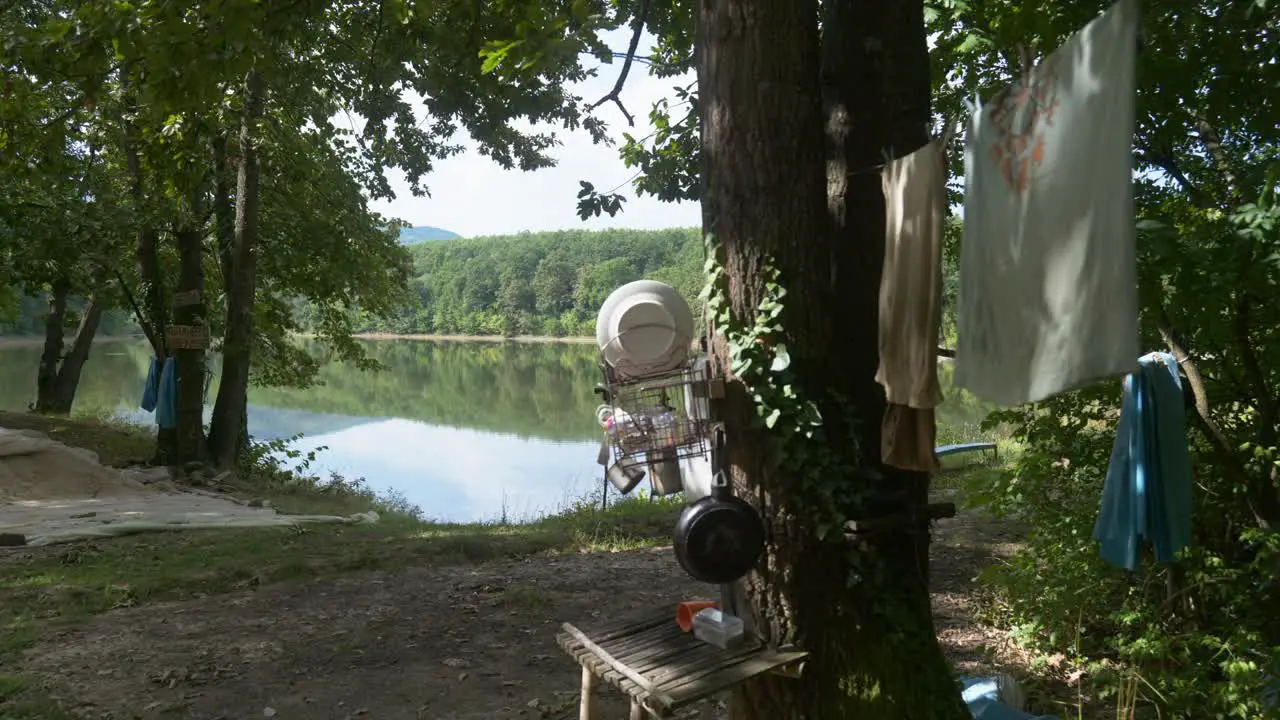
x=644, y=328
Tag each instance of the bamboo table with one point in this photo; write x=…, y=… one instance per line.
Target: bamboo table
x=660, y=667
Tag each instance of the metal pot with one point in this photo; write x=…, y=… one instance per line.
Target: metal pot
x=624, y=478
x=665, y=474
x=719, y=538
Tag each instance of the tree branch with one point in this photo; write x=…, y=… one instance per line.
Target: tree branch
x=1212, y=142
x=637, y=29
x=137, y=311
x=1266, y=401
x=1164, y=160
x=1262, y=501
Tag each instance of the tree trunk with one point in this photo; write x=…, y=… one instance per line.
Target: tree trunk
x=190, y=361
x=874, y=653
x=224, y=214
x=67, y=382
x=58, y=375
x=51, y=356
x=147, y=254
x=227, y=431
x=73, y=363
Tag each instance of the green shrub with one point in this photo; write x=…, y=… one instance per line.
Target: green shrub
x=1202, y=647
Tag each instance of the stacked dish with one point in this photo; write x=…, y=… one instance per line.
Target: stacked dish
x=644, y=329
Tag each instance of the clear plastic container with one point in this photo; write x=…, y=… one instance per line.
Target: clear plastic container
x=717, y=628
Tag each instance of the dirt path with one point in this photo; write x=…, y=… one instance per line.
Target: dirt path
x=448, y=643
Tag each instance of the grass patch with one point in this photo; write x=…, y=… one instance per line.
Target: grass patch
x=44, y=587
x=116, y=442
x=22, y=700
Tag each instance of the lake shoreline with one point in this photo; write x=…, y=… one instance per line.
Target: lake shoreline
x=20, y=341
x=430, y=337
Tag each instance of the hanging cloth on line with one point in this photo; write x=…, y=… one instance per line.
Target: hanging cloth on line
x=1048, y=289
x=1147, y=495
x=915, y=194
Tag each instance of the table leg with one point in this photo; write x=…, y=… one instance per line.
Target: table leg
x=586, y=707
x=638, y=711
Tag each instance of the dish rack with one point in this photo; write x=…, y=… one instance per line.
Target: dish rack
x=662, y=417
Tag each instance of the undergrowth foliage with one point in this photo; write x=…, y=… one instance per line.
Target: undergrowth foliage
x=1196, y=651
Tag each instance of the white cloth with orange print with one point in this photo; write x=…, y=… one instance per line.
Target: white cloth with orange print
x=1048, y=287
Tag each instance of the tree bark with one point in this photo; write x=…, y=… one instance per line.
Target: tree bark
x=59, y=375
x=224, y=213
x=147, y=255
x=73, y=363
x=51, y=356
x=189, y=310
x=227, y=431
x=190, y=362
x=874, y=654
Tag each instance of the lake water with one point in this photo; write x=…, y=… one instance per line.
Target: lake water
x=467, y=431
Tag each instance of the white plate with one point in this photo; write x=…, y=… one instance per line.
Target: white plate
x=644, y=328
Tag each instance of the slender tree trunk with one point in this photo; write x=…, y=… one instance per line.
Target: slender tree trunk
x=225, y=215
x=228, y=429
x=51, y=356
x=59, y=375
x=874, y=655
x=58, y=399
x=147, y=255
x=73, y=363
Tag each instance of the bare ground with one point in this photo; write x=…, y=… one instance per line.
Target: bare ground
x=448, y=643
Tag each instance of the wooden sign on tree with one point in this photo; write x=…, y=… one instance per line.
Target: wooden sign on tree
x=187, y=337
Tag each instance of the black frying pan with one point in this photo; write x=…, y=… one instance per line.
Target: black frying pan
x=720, y=537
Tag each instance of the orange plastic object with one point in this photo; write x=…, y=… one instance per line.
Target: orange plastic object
x=686, y=610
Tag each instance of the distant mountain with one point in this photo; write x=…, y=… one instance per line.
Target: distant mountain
x=425, y=233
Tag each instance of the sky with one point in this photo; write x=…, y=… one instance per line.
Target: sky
x=471, y=195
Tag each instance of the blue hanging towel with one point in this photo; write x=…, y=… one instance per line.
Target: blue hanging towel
x=167, y=396
x=149, y=390
x=1147, y=495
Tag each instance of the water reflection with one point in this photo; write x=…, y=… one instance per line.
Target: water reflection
x=467, y=431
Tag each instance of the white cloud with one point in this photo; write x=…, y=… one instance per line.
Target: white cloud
x=471, y=195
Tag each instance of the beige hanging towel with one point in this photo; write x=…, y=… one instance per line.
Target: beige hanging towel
x=915, y=194
x=907, y=438
x=1048, y=287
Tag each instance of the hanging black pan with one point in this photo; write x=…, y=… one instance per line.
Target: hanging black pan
x=719, y=538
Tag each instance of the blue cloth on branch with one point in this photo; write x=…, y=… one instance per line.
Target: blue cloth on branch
x=1147, y=495
x=167, y=396
x=149, y=390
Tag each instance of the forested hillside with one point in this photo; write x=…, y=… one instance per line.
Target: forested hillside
x=425, y=233
x=25, y=315
x=549, y=283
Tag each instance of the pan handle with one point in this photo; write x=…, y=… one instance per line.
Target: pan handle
x=719, y=441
